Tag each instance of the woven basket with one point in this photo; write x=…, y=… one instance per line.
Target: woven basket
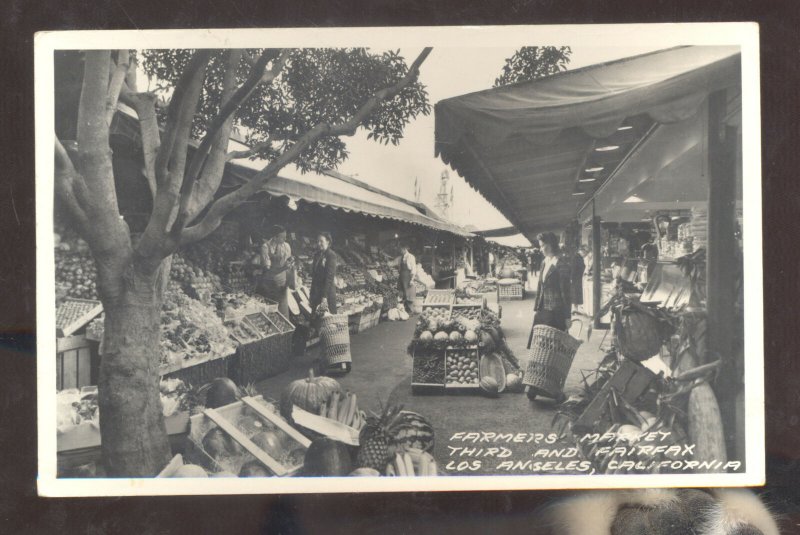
x=335, y=336
x=549, y=361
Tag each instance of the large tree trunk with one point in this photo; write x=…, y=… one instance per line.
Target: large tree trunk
x=135, y=440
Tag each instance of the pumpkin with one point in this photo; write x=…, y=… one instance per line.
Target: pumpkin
x=426, y=336
x=470, y=336
x=412, y=430
x=308, y=394
x=489, y=385
x=328, y=458
x=440, y=336
x=513, y=382
x=637, y=334
x=455, y=336
x=190, y=470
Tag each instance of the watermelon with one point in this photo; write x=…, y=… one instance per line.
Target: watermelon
x=413, y=430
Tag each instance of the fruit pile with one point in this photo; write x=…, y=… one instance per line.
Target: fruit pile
x=472, y=301
x=412, y=463
x=428, y=369
x=76, y=274
x=434, y=333
x=467, y=312
x=195, y=282
x=436, y=313
x=462, y=368
x=343, y=407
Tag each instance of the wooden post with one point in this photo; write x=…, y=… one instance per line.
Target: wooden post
x=597, y=283
x=721, y=264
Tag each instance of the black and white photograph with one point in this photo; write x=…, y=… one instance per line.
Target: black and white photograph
x=387, y=259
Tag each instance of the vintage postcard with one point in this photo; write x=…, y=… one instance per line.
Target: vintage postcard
x=399, y=259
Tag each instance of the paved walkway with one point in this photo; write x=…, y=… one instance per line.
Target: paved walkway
x=382, y=371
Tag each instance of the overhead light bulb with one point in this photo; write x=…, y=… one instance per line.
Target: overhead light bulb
x=627, y=127
x=578, y=193
x=607, y=148
x=595, y=169
x=587, y=180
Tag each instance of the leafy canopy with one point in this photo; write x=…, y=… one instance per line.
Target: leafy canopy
x=316, y=86
x=532, y=62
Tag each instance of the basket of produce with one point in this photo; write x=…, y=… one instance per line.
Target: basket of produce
x=551, y=355
x=335, y=337
x=247, y=438
x=440, y=297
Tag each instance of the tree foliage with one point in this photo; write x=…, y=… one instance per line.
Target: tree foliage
x=532, y=62
x=316, y=86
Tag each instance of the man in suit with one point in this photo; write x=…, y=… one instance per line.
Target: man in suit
x=323, y=274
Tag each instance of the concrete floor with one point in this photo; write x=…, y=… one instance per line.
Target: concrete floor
x=382, y=371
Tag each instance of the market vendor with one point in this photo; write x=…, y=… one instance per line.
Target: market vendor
x=323, y=274
x=277, y=262
x=407, y=269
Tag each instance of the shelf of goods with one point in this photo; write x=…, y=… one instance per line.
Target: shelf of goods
x=247, y=438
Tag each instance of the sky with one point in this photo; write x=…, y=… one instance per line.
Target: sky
x=450, y=72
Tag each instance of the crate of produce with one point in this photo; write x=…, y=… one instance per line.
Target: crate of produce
x=468, y=312
x=510, y=291
x=77, y=362
x=440, y=297
x=367, y=320
x=354, y=322
x=264, y=357
x=72, y=314
x=246, y=438
x=428, y=371
x=198, y=371
x=281, y=322
x=462, y=368
x=437, y=312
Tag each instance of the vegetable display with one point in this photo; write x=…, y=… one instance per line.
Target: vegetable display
x=308, y=393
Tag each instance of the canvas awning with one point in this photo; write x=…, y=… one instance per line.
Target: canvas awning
x=336, y=191
x=527, y=147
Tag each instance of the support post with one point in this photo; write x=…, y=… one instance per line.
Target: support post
x=721, y=264
x=597, y=283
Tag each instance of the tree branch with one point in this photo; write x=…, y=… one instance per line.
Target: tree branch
x=65, y=175
x=118, y=75
x=349, y=127
x=145, y=106
x=252, y=151
x=225, y=204
x=220, y=127
x=171, y=159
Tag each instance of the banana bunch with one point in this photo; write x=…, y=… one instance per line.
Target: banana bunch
x=412, y=462
x=343, y=407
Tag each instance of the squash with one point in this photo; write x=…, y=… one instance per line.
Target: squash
x=308, y=394
x=491, y=365
x=190, y=470
x=513, y=382
x=412, y=430
x=328, y=458
x=219, y=392
x=470, y=336
x=489, y=386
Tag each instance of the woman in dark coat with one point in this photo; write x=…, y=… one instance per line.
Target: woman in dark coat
x=578, y=268
x=323, y=274
x=554, y=291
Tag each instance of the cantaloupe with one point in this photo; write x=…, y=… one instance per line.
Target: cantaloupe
x=455, y=336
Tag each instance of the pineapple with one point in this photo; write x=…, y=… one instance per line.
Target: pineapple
x=377, y=447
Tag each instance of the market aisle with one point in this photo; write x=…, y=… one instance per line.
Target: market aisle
x=382, y=370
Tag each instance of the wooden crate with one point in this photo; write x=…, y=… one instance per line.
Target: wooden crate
x=473, y=354
x=77, y=362
x=423, y=359
x=508, y=292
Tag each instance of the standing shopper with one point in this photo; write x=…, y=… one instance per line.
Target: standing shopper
x=323, y=274
x=553, y=293
x=492, y=262
x=276, y=261
x=407, y=268
x=578, y=268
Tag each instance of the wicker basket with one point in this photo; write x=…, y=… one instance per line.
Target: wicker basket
x=549, y=361
x=335, y=337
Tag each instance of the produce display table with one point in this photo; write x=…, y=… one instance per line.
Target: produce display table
x=266, y=357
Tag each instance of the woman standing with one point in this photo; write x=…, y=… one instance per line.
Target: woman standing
x=578, y=269
x=323, y=274
x=553, y=293
x=276, y=261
